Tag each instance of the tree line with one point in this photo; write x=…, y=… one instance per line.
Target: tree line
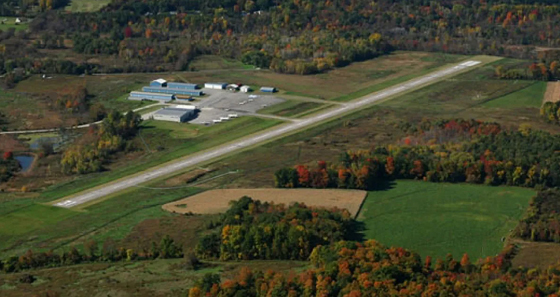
x=260, y=230
x=352, y=269
x=542, y=220
x=92, y=150
x=545, y=71
x=293, y=36
x=167, y=248
x=516, y=158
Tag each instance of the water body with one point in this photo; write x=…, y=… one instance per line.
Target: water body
x=25, y=161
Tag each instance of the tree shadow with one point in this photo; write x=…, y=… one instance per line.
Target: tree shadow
x=383, y=185
x=356, y=231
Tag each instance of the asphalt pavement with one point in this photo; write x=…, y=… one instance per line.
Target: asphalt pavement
x=208, y=155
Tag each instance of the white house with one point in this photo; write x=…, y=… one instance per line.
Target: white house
x=245, y=89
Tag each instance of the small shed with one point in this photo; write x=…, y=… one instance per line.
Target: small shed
x=233, y=87
x=268, y=89
x=245, y=89
x=160, y=82
x=216, y=86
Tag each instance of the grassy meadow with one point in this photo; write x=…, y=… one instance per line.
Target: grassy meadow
x=435, y=219
x=10, y=23
x=86, y=5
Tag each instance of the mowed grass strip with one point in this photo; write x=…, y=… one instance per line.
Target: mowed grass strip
x=31, y=218
x=435, y=219
x=42, y=227
x=531, y=96
x=290, y=108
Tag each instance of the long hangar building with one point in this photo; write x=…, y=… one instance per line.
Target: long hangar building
x=178, y=115
x=163, y=91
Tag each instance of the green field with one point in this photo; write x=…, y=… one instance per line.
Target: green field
x=436, y=219
x=531, y=96
x=35, y=226
x=31, y=218
x=86, y=5
x=208, y=62
x=10, y=22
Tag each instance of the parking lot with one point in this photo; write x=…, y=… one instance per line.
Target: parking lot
x=221, y=104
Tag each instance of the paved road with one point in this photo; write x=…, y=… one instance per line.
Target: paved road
x=72, y=127
x=258, y=138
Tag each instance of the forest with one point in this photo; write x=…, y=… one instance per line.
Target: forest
x=252, y=230
x=287, y=36
x=542, y=222
x=92, y=150
x=447, y=151
x=166, y=249
x=353, y=269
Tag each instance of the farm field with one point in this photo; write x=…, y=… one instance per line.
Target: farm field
x=552, y=93
x=435, y=219
x=217, y=201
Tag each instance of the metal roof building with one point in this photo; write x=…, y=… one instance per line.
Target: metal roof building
x=178, y=115
x=160, y=82
x=139, y=96
x=216, y=86
x=172, y=91
x=182, y=86
x=268, y=89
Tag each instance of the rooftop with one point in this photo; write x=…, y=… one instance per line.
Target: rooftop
x=160, y=81
x=148, y=93
x=173, y=111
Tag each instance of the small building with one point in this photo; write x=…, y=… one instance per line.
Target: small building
x=139, y=96
x=177, y=115
x=20, y=20
x=268, y=89
x=245, y=89
x=233, y=87
x=182, y=86
x=172, y=91
x=160, y=82
x=215, y=86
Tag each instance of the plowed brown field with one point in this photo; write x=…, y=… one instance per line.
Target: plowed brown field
x=217, y=201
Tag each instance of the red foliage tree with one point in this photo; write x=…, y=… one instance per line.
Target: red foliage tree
x=8, y=155
x=128, y=32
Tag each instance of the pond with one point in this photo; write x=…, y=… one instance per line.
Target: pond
x=25, y=161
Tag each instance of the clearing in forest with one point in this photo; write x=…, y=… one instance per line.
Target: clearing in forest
x=217, y=201
x=552, y=92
